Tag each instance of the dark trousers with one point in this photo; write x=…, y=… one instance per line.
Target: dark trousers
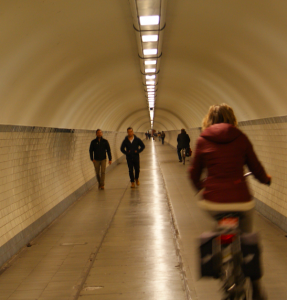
x=134, y=168
x=162, y=140
x=179, y=153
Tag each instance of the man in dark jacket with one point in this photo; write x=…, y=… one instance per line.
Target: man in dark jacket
x=183, y=142
x=132, y=146
x=98, y=152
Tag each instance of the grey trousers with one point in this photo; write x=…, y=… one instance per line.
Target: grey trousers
x=100, y=168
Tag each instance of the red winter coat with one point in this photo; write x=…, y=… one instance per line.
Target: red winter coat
x=223, y=149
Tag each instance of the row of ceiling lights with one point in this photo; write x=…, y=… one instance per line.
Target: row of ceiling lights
x=150, y=64
x=149, y=22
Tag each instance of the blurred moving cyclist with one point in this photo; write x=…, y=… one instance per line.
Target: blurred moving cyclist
x=183, y=142
x=98, y=153
x=132, y=146
x=224, y=150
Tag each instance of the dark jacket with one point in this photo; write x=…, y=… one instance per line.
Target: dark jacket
x=224, y=150
x=98, y=149
x=129, y=149
x=183, y=141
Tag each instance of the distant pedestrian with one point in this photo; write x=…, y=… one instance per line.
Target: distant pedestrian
x=146, y=135
x=162, y=137
x=159, y=136
x=132, y=146
x=149, y=135
x=98, y=152
x=183, y=142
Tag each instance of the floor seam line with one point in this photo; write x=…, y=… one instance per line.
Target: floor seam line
x=94, y=254
x=175, y=236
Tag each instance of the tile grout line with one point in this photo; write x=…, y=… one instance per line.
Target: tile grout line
x=16, y=256
x=175, y=232
x=93, y=255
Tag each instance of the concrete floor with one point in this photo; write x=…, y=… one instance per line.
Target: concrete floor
x=125, y=243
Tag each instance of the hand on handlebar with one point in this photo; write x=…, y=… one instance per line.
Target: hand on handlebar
x=268, y=176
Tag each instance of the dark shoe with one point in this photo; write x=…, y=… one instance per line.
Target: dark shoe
x=180, y=161
x=102, y=187
x=133, y=185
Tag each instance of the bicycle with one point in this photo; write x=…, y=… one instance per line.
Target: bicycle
x=236, y=285
x=227, y=257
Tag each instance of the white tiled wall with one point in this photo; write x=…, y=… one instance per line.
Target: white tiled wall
x=39, y=167
x=270, y=144
x=269, y=138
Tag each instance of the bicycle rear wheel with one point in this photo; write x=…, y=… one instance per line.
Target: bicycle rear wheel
x=183, y=156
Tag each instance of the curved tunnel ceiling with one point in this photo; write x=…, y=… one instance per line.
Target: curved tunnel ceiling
x=74, y=64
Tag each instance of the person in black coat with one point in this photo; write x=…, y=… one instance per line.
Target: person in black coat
x=132, y=146
x=183, y=142
x=98, y=153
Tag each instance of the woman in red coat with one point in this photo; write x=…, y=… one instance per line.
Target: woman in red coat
x=224, y=150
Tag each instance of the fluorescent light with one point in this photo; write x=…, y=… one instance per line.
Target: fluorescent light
x=149, y=20
x=150, y=70
x=150, y=88
x=150, y=82
x=150, y=76
x=150, y=62
x=150, y=38
x=151, y=93
x=150, y=51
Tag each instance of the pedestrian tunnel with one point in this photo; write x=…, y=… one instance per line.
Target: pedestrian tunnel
x=71, y=67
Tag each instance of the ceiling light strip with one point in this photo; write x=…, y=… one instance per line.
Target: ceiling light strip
x=146, y=40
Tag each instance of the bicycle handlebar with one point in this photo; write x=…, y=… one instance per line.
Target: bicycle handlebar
x=250, y=173
x=247, y=174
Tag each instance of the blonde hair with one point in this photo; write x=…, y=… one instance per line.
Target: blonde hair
x=221, y=113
